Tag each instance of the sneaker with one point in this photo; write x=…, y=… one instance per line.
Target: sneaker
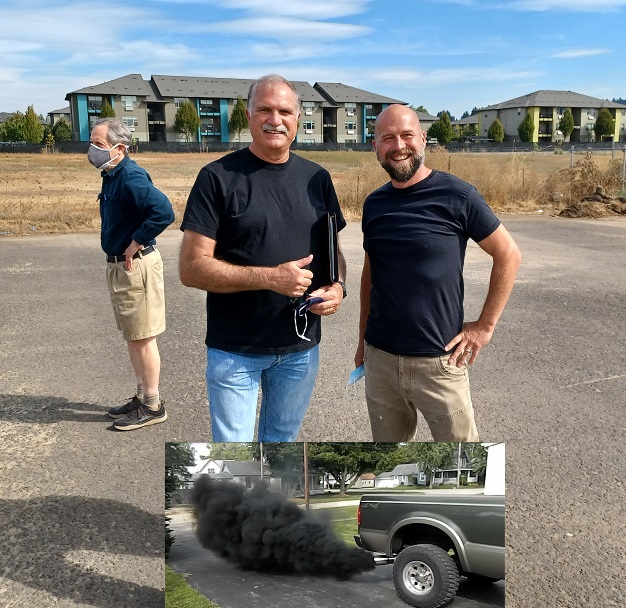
x=122, y=410
x=141, y=416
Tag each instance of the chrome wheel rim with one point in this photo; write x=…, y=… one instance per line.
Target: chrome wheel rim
x=418, y=577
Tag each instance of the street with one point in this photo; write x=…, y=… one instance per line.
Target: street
x=551, y=385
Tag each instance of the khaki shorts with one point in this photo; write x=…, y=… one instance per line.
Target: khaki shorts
x=397, y=387
x=138, y=296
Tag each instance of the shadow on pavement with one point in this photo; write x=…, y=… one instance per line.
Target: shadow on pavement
x=40, y=533
x=47, y=409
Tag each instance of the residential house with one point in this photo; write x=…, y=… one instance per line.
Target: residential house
x=401, y=475
x=331, y=112
x=367, y=480
x=546, y=109
x=63, y=113
x=426, y=120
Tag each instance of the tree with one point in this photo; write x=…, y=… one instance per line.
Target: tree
x=187, y=121
x=238, y=119
x=230, y=451
x=107, y=110
x=605, y=125
x=465, y=115
x=470, y=130
x=478, y=460
x=178, y=456
x=496, y=131
x=566, y=124
x=347, y=461
x=441, y=129
x=526, y=129
x=33, y=129
x=13, y=128
x=61, y=130
x=286, y=461
x=420, y=109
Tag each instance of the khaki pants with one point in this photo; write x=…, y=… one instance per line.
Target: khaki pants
x=397, y=387
x=138, y=296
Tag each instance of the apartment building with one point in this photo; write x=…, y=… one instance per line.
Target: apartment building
x=331, y=112
x=546, y=109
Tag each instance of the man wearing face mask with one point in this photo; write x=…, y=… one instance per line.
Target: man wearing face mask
x=133, y=212
x=253, y=240
x=412, y=335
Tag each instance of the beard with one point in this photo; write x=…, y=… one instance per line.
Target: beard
x=402, y=173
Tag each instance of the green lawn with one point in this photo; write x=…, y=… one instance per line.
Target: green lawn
x=342, y=521
x=178, y=594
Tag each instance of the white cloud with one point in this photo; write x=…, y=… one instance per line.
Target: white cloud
x=567, y=5
x=451, y=76
x=318, y=9
x=287, y=29
x=576, y=53
x=138, y=52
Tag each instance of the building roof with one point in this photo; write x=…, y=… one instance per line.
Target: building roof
x=423, y=116
x=220, y=88
x=337, y=93
x=554, y=99
x=132, y=84
x=468, y=120
x=366, y=476
x=65, y=110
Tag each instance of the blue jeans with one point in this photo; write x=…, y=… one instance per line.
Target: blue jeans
x=233, y=380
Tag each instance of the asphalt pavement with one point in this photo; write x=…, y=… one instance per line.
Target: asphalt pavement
x=82, y=505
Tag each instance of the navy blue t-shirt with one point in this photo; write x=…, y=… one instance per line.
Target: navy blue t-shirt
x=261, y=214
x=416, y=239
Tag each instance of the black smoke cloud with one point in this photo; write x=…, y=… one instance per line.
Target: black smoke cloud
x=258, y=529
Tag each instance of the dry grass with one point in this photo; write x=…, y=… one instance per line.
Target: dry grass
x=57, y=192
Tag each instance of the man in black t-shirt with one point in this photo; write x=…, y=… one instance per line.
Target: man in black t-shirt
x=254, y=229
x=413, y=340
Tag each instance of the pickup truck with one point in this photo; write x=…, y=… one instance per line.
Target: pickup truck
x=433, y=540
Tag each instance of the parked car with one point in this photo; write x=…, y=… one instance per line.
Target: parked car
x=433, y=540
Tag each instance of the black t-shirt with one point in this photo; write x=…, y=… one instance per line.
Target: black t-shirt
x=261, y=214
x=416, y=239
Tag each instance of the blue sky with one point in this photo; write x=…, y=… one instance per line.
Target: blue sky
x=442, y=54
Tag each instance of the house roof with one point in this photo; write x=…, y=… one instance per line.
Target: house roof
x=366, y=476
x=553, y=99
x=405, y=469
x=245, y=468
x=337, y=93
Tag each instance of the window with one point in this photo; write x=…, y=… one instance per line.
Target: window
x=129, y=102
x=351, y=125
x=308, y=141
x=178, y=101
x=350, y=141
x=308, y=107
x=130, y=121
x=94, y=102
x=308, y=125
x=209, y=106
x=350, y=108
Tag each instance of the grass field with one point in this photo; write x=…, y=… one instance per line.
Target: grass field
x=47, y=193
x=178, y=594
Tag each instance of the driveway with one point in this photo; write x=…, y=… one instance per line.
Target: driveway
x=231, y=587
x=552, y=385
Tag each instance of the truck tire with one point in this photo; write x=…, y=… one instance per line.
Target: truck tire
x=425, y=576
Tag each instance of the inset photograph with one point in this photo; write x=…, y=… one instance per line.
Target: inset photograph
x=335, y=525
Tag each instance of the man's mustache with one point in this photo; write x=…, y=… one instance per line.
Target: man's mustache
x=279, y=128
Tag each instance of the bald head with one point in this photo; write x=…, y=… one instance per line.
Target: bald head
x=399, y=143
x=395, y=116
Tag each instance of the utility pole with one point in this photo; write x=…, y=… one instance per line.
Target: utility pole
x=624, y=170
x=305, y=445
x=458, y=468
x=261, y=448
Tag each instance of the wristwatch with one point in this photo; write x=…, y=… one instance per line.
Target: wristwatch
x=343, y=286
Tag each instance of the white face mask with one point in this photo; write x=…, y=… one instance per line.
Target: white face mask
x=100, y=158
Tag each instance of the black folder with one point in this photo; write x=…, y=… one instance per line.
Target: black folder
x=330, y=249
